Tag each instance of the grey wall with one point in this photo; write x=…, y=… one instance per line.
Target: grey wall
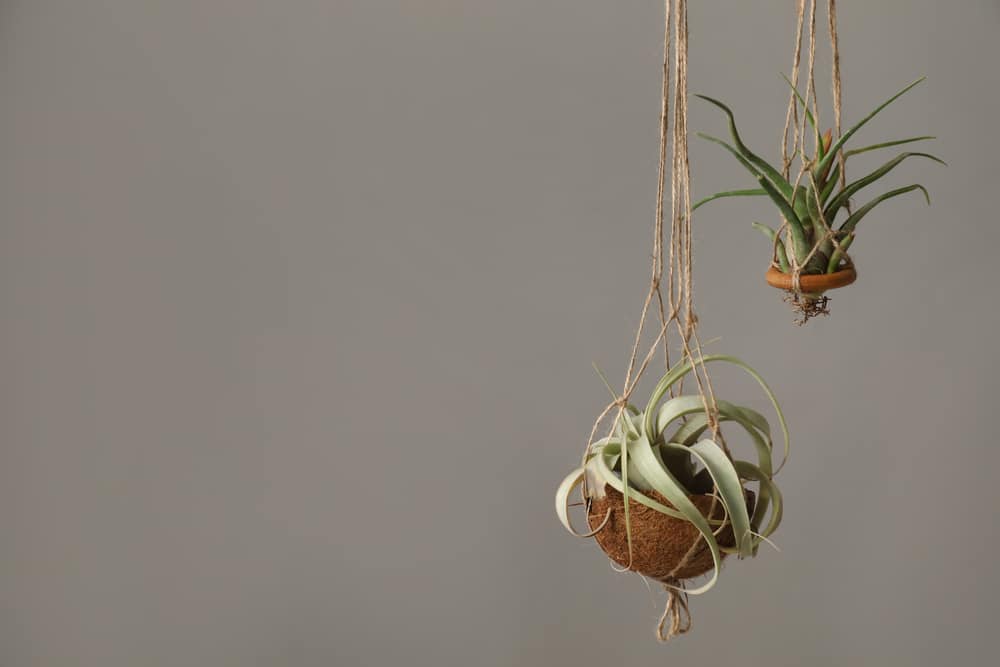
x=299, y=301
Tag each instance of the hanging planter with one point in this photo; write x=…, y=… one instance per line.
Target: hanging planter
x=816, y=283
x=664, y=548
x=664, y=495
x=666, y=501
x=811, y=246
x=819, y=224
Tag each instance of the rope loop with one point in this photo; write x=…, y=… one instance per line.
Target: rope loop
x=676, y=618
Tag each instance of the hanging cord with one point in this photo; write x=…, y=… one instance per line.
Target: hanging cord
x=676, y=618
x=795, y=128
x=792, y=117
x=676, y=307
x=837, y=87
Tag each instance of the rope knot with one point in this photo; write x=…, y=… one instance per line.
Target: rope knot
x=676, y=618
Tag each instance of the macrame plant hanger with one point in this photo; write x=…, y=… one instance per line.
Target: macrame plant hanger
x=674, y=305
x=795, y=133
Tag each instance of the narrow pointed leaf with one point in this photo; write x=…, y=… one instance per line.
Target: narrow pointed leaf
x=853, y=221
x=731, y=193
x=888, y=144
x=839, y=144
x=773, y=174
x=771, y=234
x=794, y=224
x=838, y=253
x=766, y=230
x=742, y=160
x=845, y=195
x=831, y=185
x=802, y=100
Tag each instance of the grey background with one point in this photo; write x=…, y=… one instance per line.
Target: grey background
x=299, y=302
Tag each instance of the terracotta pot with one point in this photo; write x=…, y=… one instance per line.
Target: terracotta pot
x=661, y=544
x=812, y=283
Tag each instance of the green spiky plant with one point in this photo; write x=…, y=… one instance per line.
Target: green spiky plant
x=812, y=204
x=662, y=448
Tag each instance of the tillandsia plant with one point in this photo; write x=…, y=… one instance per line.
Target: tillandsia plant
x=819, y=223
x=669, y=501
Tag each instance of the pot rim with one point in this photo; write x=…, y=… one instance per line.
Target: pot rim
x=812, y=283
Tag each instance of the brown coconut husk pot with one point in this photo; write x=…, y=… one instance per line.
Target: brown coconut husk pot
x=663, y=547
x=811, y=283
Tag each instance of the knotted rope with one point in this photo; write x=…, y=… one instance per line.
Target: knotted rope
x=795, y=129
x=676, y=618
x=676, y=307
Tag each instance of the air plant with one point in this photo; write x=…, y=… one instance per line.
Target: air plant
x=661, y=482
x=819, y=224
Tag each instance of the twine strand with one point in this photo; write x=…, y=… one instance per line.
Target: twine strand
x=795, y=129
x=676, y=618
x=675, y=308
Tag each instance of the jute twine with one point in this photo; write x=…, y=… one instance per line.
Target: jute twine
x=676, y=617
x=795, y=130
x=676, y=306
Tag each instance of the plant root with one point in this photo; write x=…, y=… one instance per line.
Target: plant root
x=807, y=306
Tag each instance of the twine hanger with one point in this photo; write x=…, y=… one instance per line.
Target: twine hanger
x=795, y=127
x=674, y=305
x=677, y=306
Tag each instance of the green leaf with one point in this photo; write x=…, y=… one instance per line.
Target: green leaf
x=800, y=203
x=668, y=486
x=780, y=247
x=682, y=368
x=672, y=410
x=773, y=174
x=838, y=253
x=727, y=483
x=614, y=396
x=831, y=184
x=692, y=408
x=839, y=144
x=794, y=224
x=802, y=100
x=573, y=480
x=888, y=144
x=769, y=492
x=731, y=193
x=845, y=195
x=602, y=467
x=766, y=230
x=853, y=221
x=675, y=408
x=760, y=433
x=742, y=160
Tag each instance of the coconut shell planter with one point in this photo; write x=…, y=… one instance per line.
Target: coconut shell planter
x=664, y=548
x=819, y=223
x=666, y=497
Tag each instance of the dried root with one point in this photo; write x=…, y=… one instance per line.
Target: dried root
x=807, y=306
